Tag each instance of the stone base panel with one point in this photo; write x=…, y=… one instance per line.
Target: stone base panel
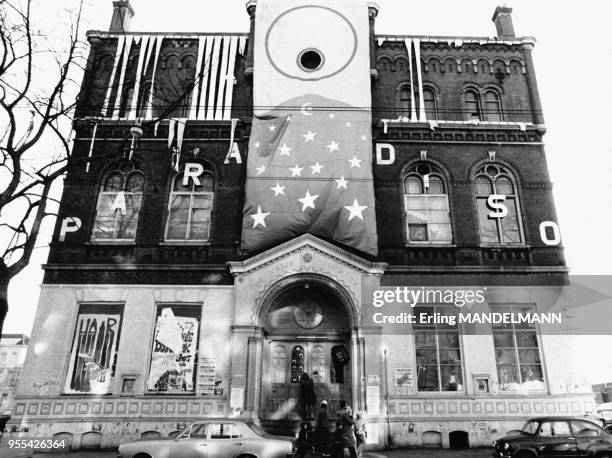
x=412, y=422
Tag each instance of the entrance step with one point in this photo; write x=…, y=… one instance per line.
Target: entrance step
x=284, y=427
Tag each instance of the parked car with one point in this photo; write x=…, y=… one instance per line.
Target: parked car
x=605, y=413
x=214, y=438
x=556, y=437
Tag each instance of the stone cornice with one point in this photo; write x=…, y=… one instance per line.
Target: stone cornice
x=306, y=240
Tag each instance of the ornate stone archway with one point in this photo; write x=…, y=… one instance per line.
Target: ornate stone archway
x=262, y=278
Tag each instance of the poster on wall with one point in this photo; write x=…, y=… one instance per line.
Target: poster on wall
x=174, y=353
x=93, y=354
x=206, y=375
x=403, y=377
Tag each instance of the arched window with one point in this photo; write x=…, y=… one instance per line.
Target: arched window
x=496, y=179
x=404, y=101
x=190, y=207
x=429, y=100
x=119, y=204
x=426, y=205
x=472, y=105
x=492, y=107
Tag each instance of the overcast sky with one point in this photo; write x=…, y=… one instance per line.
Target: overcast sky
x=573, y=63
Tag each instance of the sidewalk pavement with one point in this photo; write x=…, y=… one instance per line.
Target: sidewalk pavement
x=405, y=453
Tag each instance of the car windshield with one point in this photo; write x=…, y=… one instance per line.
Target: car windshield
x=256, y=429
x=530, y=427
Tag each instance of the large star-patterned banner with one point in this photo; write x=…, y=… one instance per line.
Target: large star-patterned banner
x=309, y=164
x=310, y=170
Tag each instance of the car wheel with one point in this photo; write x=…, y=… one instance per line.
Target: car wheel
x=142, y=455
x=246, y=456
x=605, y=455
x=524, y=455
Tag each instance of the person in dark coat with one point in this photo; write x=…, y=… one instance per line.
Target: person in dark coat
x=321, y=433
x=347, y=424
x=304, y=440
x=308, y=396
x=336, y=442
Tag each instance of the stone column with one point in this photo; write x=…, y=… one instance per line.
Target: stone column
x=243, y=358
x=373, y=370
x=527, y=44
x=254, y=369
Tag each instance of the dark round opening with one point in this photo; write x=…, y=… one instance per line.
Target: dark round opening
x=311, y=60
x=492, y=171
x=423, y=169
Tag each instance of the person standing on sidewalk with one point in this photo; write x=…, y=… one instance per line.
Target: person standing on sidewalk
x=308, y=396
x=347, y=425
x=321, y=434
x=360, y=433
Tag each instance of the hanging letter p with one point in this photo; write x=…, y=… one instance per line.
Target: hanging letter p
x=69, y=224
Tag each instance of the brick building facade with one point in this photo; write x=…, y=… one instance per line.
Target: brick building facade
x=454, y=120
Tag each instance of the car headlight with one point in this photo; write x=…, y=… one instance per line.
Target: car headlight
x=506, y=446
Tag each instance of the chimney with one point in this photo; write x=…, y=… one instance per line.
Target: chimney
x=503, y=22
x=373, y=9
x=122, y=15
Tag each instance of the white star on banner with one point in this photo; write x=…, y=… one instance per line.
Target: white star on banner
x=272, y=128
x=363, y=137
x=355, y=162
x=278, y=189
x=316, y=168
x=296, y=171
x=355, y=210
x=260, y=170
x=309, y=136
x=284, y=150
x=259, y=218
x=332, y=116
x=347, y=124
x=333, y=146
x=341, y=183
x=308, y=200
x=256, y=145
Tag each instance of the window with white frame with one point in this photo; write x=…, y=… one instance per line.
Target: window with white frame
x=429, y=101
x=472, y=105
x=438, y=351
x=517, y=353
x=404, y=101
x=426, y=205
x=119, y=203
x=190, y=207
x=492, y=107
x=482, y=107
x=496, y=179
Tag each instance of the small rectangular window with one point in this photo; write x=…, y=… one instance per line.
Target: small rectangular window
x=221, y=430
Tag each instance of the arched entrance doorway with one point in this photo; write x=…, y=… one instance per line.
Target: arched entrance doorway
x=307, y=330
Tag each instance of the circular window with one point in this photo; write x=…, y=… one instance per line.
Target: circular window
x=423, y=169
x=310, y=60
x=492, y=171
x=308, y=315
